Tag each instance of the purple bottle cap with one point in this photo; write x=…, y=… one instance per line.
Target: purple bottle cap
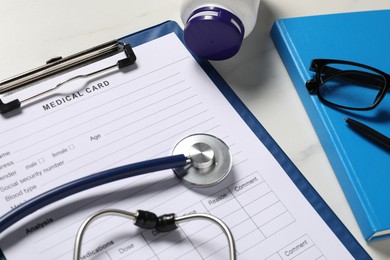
x=213, y=33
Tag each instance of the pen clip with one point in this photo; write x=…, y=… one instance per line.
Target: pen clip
x=60, y=65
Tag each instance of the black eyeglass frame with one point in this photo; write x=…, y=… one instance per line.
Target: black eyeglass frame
x=318, y=65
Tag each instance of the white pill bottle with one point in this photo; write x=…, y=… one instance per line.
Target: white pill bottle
x=215, y=29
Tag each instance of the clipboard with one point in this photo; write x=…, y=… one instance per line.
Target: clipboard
x=298, y=179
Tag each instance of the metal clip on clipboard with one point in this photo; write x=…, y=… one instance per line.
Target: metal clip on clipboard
x=59, y=65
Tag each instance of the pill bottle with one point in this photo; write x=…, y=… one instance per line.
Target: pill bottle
x=215, y=29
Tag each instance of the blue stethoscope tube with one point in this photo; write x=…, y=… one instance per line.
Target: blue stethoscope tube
x=200, y=160
x=91, y=181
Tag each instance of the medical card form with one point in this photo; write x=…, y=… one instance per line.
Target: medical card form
x=127, y=116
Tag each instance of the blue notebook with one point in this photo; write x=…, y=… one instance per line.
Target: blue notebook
x=299, y=180
x=362, y=167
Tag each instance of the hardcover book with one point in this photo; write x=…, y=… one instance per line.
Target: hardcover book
x=361, y=166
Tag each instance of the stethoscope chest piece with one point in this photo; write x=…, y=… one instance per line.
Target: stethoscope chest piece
x=211, y=160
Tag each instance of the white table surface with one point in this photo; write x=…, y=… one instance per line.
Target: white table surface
x=34, y=31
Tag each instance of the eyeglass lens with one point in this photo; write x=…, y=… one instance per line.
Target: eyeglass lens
x=350, y=86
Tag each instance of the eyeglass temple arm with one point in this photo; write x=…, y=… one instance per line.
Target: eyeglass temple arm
x=362, y=77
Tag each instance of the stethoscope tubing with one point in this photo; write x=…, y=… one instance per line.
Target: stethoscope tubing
x=89, y=182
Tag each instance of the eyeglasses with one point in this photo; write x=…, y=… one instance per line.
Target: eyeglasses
x=353, y=86
x=348, y=85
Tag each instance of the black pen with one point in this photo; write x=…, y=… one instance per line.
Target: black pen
x=369, y=132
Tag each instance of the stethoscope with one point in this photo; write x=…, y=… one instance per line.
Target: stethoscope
x=199, y=160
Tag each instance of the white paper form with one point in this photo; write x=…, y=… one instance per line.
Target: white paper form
x=124, y=117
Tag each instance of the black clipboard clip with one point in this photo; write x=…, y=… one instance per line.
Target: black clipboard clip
x=59, y=65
